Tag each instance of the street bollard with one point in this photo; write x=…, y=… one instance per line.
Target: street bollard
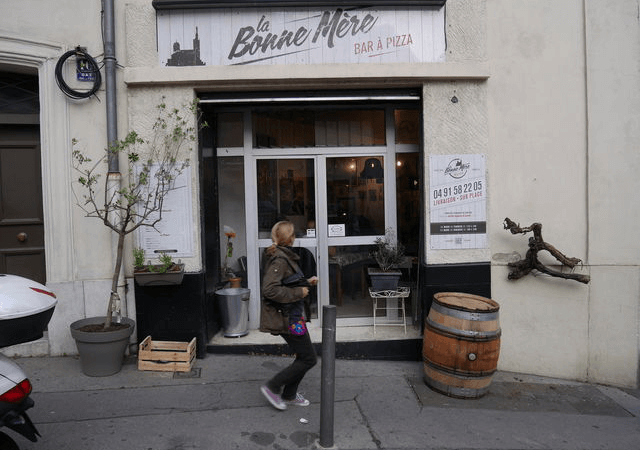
x=328, y=375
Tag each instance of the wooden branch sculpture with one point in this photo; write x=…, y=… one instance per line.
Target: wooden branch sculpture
x=531, y=262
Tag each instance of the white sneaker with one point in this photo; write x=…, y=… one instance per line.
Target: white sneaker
x=273, y=398
x=298, y=401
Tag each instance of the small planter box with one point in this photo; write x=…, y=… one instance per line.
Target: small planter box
x=171, y=277
x=384, y=281
x=166, y=356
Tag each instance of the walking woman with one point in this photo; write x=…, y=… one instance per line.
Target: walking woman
x=284, y=312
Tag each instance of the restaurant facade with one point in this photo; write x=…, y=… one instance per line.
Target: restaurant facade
x=430, y=122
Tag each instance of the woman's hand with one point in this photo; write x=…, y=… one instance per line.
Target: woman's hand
x=305, y=291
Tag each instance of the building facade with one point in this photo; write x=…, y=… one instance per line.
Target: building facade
x=435, y=119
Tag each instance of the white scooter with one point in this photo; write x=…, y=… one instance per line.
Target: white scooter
x=25, y=310
x=14, y=402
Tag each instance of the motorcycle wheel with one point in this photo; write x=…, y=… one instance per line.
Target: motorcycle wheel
x=6, y=443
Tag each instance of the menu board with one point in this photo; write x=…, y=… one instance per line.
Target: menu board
x=174, y=233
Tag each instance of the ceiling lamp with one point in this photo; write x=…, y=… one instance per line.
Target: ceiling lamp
x=372, y=169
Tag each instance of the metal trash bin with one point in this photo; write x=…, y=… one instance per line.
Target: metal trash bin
x=234, y=309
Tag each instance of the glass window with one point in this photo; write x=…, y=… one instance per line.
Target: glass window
x=355, y=194
x=19, y=93
x=408, y=201
x=229, y=130
x=407, y=125
x=231, y=213
x=323, y=128
x=286, y=191
x=277, y=129
x=348, y=283
x=350, y=128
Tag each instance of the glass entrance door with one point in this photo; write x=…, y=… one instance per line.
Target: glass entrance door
x=286, y=190
x=350, y=217
x=355, y=212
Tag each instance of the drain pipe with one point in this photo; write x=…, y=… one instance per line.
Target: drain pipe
x=110, y=79
x=114, y=176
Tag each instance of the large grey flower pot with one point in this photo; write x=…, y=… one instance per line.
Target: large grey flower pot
x=101, y=353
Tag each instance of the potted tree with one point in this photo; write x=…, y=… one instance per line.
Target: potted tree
x=388, y=253
x=152, y=167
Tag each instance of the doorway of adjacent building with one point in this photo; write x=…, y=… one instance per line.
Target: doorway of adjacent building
x=21, y=214
x=342, y=173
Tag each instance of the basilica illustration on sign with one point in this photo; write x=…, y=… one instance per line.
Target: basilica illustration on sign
x=186, y=57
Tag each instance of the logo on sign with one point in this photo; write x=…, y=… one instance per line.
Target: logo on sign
x=457, y=168
x=261, y=40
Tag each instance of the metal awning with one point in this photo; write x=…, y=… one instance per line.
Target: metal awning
x=199, y=4
x=349, y=96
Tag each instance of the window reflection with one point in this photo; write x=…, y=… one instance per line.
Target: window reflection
x=278, y=129
x=286, y=191
x=408, y=201
x=350, y=128
x=231, y=213
x=229, y=129
x=348, y=283
x=355, y=194
x=319, y=128
x=407, y=125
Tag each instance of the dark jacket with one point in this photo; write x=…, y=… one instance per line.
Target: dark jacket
x=280, y=263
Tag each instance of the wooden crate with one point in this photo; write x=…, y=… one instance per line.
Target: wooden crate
x=166, y=356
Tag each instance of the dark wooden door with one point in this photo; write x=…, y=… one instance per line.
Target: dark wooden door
x=21, y=217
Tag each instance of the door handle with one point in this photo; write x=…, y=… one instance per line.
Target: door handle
x=22, y=236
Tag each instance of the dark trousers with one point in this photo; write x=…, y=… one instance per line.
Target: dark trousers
x=288, y=379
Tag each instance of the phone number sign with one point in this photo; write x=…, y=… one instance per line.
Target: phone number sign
x=458, y=202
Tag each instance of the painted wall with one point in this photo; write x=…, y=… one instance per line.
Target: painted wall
x=547, y=91
x=561, y=109
x=77, y=248
x=613, y=137
x=538, y=174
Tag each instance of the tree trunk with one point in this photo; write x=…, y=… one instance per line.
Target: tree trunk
x=113, y=299
x=531, y=262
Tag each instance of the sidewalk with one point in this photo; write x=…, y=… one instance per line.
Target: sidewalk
x=378, y=405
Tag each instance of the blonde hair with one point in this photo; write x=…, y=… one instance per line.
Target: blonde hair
x=283, y=233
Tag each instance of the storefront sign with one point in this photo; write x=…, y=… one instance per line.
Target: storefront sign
x=226, y=36
x=174, y=233
x=458, y=201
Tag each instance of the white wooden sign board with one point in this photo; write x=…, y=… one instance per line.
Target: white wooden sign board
x=457, y=201
x=174, y=233
x=220, y=37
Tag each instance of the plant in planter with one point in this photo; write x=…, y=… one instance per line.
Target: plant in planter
x=388, y=254
x=229, y=275
x=166, y=273
x=152, y=168
x=138, y=259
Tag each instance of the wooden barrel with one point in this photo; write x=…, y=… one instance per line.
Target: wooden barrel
x=461, y=344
